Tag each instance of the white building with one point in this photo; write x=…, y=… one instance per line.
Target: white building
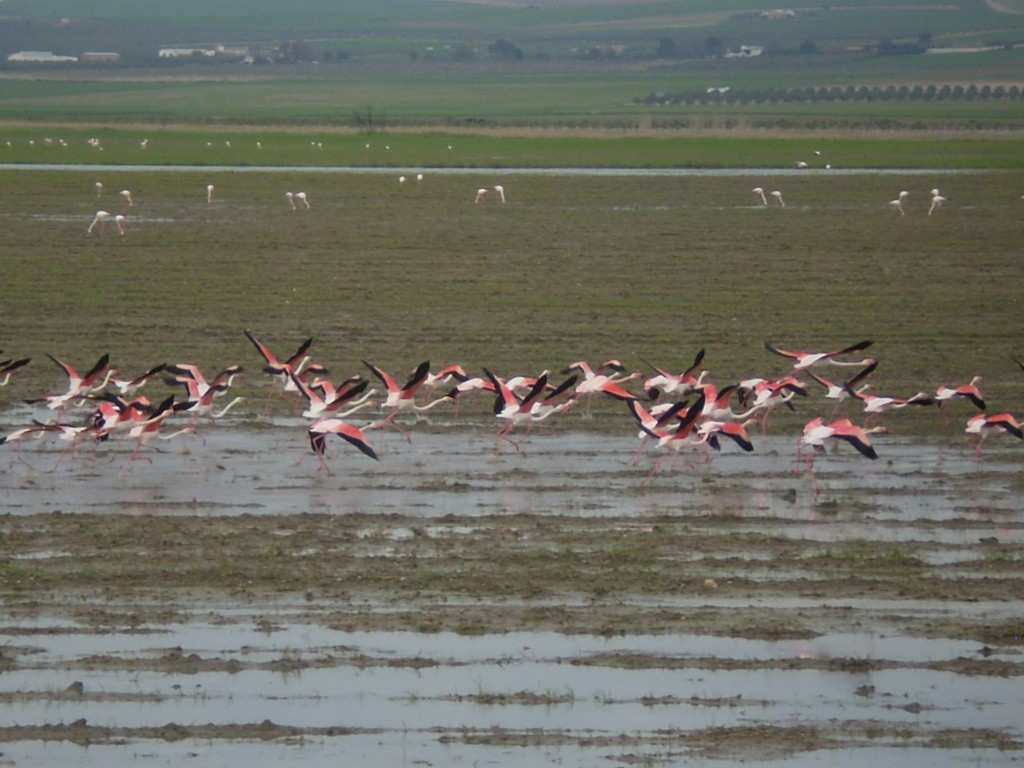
x=184, y=53
x=39, y=56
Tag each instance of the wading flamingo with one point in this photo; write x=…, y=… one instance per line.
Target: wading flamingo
x=100, y=219
x=778, y=198
x=126, y=195
x=759, y=191
x=897, y=203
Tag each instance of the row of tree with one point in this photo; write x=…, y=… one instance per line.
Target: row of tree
x=836, y=93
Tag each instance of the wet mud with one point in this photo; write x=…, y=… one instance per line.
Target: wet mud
x=226, y=599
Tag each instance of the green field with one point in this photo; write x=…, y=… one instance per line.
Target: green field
x=415, y=63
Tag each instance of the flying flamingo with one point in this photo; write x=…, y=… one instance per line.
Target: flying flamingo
x=195, y=383
x=79, y=386
x=39, y=429
x=968, y=391
x=282, y=369
x=816, y=432
x=149, y=428
x=778, y=198
x=984, y=425
x=445, y=376
x=536, y=405
x=319, y=430
x=803, y=360
x=8, y=367
x=675, y=440
x=130, y=386
x=874, y=405
x=759, y=191
x=680, y=384
x=717, y=408
x=324, y=400
x=709, y=430
x=203, y=406
x=401, y=399
x=600, y=382
x=841, y=392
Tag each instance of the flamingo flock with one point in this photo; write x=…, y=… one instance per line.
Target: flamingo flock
x=683, y=415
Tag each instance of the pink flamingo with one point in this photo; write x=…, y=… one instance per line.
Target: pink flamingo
x=803, y=360
x=79, y=386
x=319, y=430
x=841, y=392
x=402, y=399
x=816, y=432
x=679, y=385
x=984, y=425
x=967, y=391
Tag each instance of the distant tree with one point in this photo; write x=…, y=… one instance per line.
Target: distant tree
x=808, y=48
x=367, y=121
x=666, y=48
x=885, y=46
x=503, y=49
x=924, y=40
x=714, y=47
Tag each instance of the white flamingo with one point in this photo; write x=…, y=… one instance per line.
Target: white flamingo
x=101, y=219
x=759, y=191
x=778, y=198
x=897, y=203
x=209, y=193
x=126, y=195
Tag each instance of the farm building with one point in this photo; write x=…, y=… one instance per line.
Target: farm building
x=39, y=56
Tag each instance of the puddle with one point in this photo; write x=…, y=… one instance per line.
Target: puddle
x=413, y=692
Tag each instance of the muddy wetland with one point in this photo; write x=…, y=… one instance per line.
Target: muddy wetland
x=223, y=600
x=453, y=604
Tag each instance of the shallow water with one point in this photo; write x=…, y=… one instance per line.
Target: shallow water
x=407, y=694
x=440, y=699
